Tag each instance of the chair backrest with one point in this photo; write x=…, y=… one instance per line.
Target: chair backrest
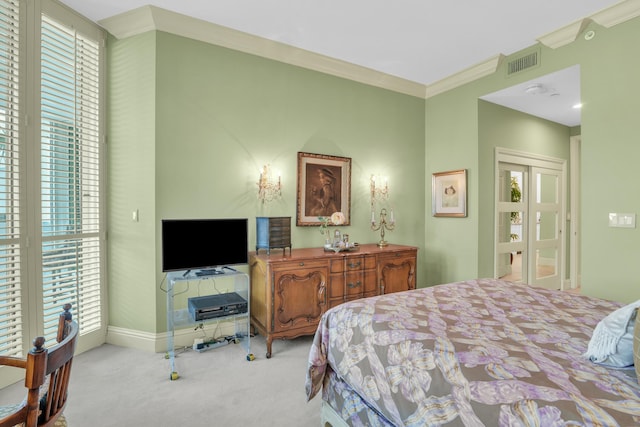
x=47, y=373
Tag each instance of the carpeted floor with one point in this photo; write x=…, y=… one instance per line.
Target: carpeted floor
x=116, y=386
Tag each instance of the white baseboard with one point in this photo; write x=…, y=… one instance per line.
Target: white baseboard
x=157, y=342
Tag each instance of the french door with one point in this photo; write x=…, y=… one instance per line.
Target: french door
x=529, y=219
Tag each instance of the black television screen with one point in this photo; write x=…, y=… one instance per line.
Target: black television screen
x=189, y=244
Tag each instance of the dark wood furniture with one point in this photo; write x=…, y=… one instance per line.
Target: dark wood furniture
x=47, y=373
x=290, y=293
x=273, y=233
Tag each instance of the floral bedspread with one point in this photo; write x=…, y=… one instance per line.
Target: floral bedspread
x=476, y=353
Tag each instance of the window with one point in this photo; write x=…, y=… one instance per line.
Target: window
x=11, y=337
x=70, y=175
x=51, y=190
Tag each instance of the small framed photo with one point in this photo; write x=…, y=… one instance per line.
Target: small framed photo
x=324, y=187
x=449, y=193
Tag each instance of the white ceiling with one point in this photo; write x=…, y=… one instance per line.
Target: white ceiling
x=423, y=41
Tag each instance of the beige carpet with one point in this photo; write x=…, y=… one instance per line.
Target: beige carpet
x=116, y=386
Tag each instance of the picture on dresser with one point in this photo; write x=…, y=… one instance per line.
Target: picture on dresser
x=324, y=187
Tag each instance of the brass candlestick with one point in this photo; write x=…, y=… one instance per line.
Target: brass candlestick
x=382, y=225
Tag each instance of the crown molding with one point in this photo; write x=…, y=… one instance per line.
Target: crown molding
x=607, y=18
x=131, y=23
x=465, y=76
x=148, y=18
x=617, y=14
x=565, y=35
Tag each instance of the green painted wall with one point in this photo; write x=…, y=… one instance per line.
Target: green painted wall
x=609, y=173
x=218, y=116
x=131, y=183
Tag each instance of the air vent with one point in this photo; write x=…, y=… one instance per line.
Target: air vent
x=524, y=62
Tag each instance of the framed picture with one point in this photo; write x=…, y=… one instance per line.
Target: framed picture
x=324, y=187
x=449, y=193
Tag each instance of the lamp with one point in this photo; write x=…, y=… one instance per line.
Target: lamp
x=379, y=188
x=268, y=188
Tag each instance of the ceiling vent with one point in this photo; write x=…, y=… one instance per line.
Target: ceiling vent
x=523, y=62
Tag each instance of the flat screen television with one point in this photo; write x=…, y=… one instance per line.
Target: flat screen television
x=191, y=244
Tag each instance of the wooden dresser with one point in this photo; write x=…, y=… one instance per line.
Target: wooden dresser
x=290, y=293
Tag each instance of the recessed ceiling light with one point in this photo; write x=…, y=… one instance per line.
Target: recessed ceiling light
x=535, y=89
x=578, y=105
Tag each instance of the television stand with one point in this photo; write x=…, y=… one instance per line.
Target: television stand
x=180, y=317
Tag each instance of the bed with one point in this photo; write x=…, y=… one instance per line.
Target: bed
x=483, y=352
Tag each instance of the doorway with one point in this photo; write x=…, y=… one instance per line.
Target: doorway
x=529, y=238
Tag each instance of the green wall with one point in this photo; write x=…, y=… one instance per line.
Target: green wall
x=131, y=183
x=217, y=116
x=609, y=173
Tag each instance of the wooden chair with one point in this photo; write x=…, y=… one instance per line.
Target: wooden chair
x=47, y=373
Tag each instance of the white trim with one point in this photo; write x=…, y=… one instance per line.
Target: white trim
x=564, y=35
x=468, y=75
x=157, y=342
x=149, y=18
x=574, y=212
x=618, y=13
x=131, y=338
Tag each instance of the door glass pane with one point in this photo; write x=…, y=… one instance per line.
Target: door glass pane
x=513, y=269
x=516, y=232
x=547, y=188
x=510, y=186
x=510, y=227
x=546, y=262
x=547, y=226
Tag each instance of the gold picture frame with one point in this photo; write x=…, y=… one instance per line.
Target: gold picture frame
x=449, y=194
x=324, y=187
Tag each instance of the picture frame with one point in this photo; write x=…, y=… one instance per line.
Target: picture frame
x=324, y=187
x=449, y=194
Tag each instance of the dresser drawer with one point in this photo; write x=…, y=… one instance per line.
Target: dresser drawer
x=352, y=263
x=299, y=265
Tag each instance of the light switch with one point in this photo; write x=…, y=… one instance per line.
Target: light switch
x=134, y=215
x=623, y=220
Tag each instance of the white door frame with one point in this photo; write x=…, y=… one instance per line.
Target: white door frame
x=535, y=160
x=574, y=213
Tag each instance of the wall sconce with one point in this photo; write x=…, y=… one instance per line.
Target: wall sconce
x=268, y=189
x=379, y=188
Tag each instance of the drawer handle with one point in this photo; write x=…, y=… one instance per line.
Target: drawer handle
x=354, y=285
x=301, y=264
x=354, y=264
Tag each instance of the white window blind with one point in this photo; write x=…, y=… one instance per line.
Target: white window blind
x=11, y=327
x=70, y=176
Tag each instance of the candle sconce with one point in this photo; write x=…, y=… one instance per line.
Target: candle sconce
x=383, y=225
x=379, y=189
x=268, y=188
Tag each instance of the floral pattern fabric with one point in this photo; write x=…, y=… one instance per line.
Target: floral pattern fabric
x=484, y=352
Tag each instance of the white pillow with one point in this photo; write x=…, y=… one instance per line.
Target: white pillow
x=612, y=341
